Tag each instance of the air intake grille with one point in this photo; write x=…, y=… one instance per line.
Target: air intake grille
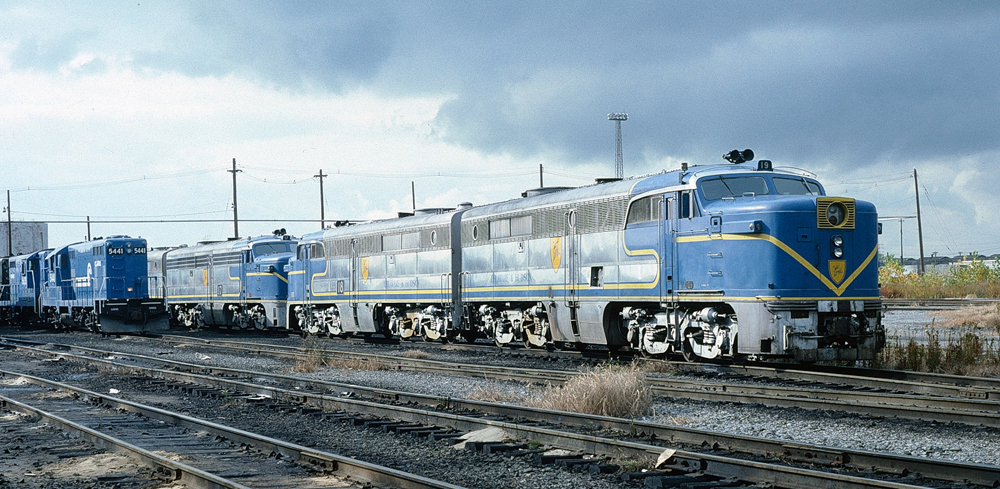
x=823, y=212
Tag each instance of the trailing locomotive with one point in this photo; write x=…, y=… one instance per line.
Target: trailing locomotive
x=737, y=260
x=98, y=285
x=20, y=285
x=239, y=284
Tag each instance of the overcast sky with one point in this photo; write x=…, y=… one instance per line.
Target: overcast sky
x=135, y=110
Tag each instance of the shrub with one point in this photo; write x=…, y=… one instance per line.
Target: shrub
x=415, y=354
x=606, y=390
x=959, y=345
x=975, y=280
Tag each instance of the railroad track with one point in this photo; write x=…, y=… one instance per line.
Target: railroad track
x=897, y=381
x=926, y=397
x=798, y=389
x=935, y=304
x=316, y=395
x=214, y=454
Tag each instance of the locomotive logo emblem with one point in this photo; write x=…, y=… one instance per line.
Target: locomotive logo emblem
x=204, y=277
x=364, y=269
x=837, y=270
x=555, y=252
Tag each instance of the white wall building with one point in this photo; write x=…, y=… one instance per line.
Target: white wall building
x=26, y=238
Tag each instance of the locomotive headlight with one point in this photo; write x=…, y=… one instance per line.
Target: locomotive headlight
x=837, y=241
x=836, y=214
x=837, y=252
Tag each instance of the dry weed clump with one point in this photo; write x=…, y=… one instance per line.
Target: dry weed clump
x=987, y=317
x=316, y=358
x=356, y=363
x=654, y=366
x=607, y=390
x=964, y=350
x=415, y=354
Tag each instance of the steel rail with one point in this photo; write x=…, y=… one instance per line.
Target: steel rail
x=934, y=304
x=927, y=408
x=908, y=406
x=176, y=471
x=858, y=459
x=719, y=466
x=930, y=384
x=933, y=384
x=940, y=385
x=329, y=462
x=963, y=386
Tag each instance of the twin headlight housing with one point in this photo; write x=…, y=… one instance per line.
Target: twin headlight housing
x=837, y=246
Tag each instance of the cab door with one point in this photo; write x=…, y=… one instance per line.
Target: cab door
x=571, y=274
x=668, y=247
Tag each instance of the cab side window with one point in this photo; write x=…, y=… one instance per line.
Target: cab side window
x=316, y=251
x=645, y=209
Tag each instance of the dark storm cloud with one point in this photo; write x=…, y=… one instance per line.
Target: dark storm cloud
x=864, y=82
x=860, y=82
x=286, y=44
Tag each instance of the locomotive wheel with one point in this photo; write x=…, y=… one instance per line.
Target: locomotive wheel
x=333, y=329
x=406, y=334
x=535, y=341
x=431, y=334
x=312, y=328
x=501, y=338
x=258, y=319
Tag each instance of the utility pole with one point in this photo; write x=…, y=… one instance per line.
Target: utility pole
x=413, y=194
x=920, y=230
x=88, y=228
x=10, y=228
x=618, y=117
x=541, y=181
x=236, y=219
x=322, y=210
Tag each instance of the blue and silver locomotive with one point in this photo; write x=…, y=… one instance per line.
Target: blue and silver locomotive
x=100, y=285
x=239, y=284
x=394, y=277
x=723, y=261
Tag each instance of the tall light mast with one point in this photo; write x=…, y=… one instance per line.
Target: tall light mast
x=618, y=117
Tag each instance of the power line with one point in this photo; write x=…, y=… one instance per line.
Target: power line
x=172, y=221
x=106, y=183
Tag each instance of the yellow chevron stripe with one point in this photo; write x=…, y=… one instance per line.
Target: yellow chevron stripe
x=792, y=253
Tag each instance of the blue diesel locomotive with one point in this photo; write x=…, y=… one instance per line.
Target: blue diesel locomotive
x=238, y=284
x=100, y=285
x=20, y=286
x=736, y=260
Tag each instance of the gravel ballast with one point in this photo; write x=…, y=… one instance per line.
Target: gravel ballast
x=826, y=428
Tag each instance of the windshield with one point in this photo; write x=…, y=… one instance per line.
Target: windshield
x=718, y=188
x=270, y=248
x=796, y=186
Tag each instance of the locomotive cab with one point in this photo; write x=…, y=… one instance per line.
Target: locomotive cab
x=764, y=265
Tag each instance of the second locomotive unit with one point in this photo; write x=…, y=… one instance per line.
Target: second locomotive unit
x=737, y=260
x=239, y=284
